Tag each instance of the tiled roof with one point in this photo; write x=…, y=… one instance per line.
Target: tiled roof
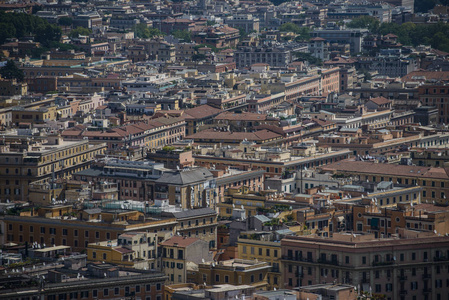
x=260, y=135
x=380, y=100
x=386, y=169
x=200, y=112
x=179, y=241
x=427, y=75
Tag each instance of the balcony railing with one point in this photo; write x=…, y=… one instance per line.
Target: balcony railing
x=426, y=276
x=382, y=263
x=304, y=259
x=441, y=258
x=328, y=262
x=402, y=277
x=427, y=290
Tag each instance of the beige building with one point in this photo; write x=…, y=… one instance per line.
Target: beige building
x=132, y=249
x=412, y=265
x=23, y=161
x=234, y=271
x=180, y=254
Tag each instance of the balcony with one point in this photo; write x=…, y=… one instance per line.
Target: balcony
x=427, y=290
x=365, y=280
x=441, y=258
x=382, y=263
x=299, y=258
x=327, y=262
x=426, y=276
x=402, y=278
x=402, y=292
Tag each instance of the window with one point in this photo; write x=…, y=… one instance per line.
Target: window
x=217, y=278
x=105, y=292
x=158, y=287
x=116, y=291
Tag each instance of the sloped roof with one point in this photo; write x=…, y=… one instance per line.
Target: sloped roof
x=185, y=177
x=193, y=213
x=179, y=241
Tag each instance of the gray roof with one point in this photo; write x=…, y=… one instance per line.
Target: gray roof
x=91, y=211
x=185, y=177
x=89, y=172
x=194, y=213
x=262, y=218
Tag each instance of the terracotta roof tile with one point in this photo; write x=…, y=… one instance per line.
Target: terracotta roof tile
x=179, y=241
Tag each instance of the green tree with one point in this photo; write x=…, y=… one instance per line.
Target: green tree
x=79, y=31
x=184, y=35
x=142, y=30
x=308, y=57
x=198, y=57
x=289, y=27
x=65, y=21
x=11, y=71
x=368, y=22
x=48, y=34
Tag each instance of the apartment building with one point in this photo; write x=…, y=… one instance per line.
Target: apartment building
x=234, y=271
x=33, y=115
x=386, y=221
x=273, y=56
x=200, y=223
x=410, y=266
x=247, y=22
x=434, y=181
x=178, y=253
x=437, y=96
x=53, y=226
x=262, y=246
x=23, y=161
x=154, y=133
x=276, y=167
x=353, y=37
x=117, y=285
x=132, y=249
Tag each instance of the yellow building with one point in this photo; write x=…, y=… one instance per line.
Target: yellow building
x=244, y=197
x=262, y=246
x=234, y=271
x=132, y=249
x=10, y=87
x=79, y=228
x=23, y=161
x=33, y=115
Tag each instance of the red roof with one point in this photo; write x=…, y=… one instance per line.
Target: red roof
x=380, y=100
x=179, y=241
